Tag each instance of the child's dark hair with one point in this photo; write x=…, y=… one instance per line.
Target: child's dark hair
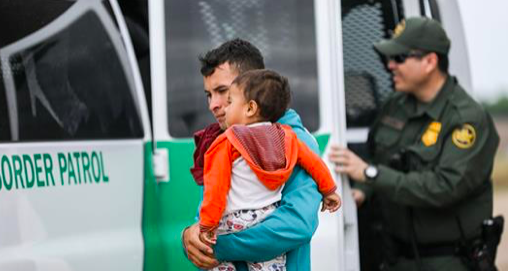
x=241, y=54
x=268, y=89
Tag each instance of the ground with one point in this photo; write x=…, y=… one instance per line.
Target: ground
x=500, y=177
x=501, y=207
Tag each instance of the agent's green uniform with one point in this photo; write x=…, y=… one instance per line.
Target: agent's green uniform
x=435, y=161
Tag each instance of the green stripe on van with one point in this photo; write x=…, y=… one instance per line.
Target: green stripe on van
x=178, y=202
x=154, y=259
x=322, y=141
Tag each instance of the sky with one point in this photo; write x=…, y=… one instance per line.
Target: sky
x=486, y=27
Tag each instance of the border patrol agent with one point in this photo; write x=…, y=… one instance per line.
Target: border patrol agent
x=432, y=151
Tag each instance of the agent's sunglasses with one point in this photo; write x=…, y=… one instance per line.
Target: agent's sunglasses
x=401, y=58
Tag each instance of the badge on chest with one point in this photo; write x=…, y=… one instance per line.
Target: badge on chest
x=431, y=135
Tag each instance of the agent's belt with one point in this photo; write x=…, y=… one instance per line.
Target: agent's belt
x=424, y=252
x=406, y=250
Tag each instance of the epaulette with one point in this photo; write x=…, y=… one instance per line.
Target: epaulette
x=467, y=109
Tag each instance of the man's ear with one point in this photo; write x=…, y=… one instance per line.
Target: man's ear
x=252, y=109
x=432, y=62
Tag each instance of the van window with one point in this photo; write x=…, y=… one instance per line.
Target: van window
x=367, y=81
x=5, y=131
x=284, y=31
x=72, y=85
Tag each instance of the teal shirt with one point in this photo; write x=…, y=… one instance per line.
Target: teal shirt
x=289, y=229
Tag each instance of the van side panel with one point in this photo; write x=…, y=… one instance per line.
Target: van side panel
x=71, y=206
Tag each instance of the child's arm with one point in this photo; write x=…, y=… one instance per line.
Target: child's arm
x=316, y=168
x=217, y=182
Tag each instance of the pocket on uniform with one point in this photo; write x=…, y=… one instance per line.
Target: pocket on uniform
x=426, y=155
x=387, y=136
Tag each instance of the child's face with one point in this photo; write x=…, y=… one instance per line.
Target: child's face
x=236, y=110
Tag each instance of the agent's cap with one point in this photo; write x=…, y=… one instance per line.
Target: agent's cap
x=417, y=33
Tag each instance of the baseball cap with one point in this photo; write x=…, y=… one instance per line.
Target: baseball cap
x=415, y=33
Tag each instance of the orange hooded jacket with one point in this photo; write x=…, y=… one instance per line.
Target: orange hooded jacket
x=262, y=147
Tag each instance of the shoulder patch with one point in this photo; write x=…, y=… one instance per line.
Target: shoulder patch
x=464, y=137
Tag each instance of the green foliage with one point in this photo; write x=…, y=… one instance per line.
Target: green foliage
x=499, y=107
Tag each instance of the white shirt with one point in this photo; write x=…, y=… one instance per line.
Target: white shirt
x=247, y=191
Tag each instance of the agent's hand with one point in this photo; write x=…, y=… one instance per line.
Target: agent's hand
x=358, y=196
x=331, y=203
x=348, y=162
x=199, y=253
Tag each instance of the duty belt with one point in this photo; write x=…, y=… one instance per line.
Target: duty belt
x=433, y=250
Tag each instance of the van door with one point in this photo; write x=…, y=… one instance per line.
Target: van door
x=367, y=84
x=286, y=34
x=73, y=129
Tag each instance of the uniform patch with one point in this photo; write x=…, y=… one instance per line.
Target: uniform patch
x=430, y=136
x=399, y=28
x=464, y=137
x=393, y=122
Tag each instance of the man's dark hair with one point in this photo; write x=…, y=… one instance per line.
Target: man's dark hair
x=268, y=89
x=241, y=54
x=442, y=62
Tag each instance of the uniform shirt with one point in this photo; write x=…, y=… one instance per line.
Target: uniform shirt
x=435, y=160
x=268, y=154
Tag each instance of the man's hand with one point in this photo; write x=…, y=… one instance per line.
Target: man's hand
x=208, y=237
x=358, y=196
x=331, y=203
x=200, y=254
x=348, y=162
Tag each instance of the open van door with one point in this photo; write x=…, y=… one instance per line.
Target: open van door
x=294, y=39
x=174, y=102
x=73, y=128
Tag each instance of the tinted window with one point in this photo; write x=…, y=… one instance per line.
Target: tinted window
x=282, y=30
x=21, y=18
x=367, y=81
x=73, y=84
x=5, y=131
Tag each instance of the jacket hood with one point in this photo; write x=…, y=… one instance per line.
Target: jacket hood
x=292, y=119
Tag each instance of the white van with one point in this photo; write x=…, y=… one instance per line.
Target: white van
x=96, y=134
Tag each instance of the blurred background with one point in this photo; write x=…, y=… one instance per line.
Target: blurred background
x=486, y=26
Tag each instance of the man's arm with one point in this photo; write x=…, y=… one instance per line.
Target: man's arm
x=287, y=228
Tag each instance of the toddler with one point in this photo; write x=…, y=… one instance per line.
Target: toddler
x=246, y=166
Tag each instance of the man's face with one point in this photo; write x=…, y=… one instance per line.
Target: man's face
x=409, y=75
x=217, y=88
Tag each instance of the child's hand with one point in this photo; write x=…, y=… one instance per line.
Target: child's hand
x=331, y=202
x=208, y=237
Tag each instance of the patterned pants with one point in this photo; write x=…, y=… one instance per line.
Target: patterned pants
x=243, y=219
